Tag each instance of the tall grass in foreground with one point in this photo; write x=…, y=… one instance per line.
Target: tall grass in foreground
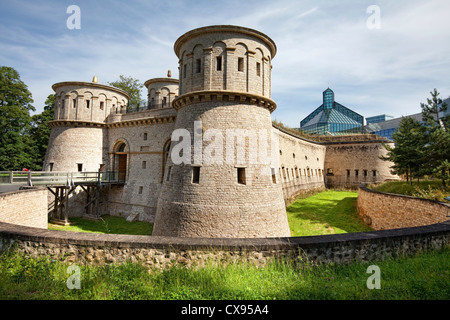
x=424, y=276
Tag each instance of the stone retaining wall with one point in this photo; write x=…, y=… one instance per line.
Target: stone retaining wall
x=388, y=211
x=25, y=207
x=163, y=252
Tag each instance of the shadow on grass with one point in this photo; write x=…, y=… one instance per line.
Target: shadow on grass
x=336, y=213
x=107, y=224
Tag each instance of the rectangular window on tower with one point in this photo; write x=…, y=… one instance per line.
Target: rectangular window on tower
x=88, y=103
x=196, y=175
x=169, y=171
x=219, y=63
x=241, y=64
x=258, y=69
x=241, y=175
x=198, y=65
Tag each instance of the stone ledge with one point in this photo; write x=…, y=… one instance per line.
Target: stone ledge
x=223, y=96
x=363, y=187
x=12, y=231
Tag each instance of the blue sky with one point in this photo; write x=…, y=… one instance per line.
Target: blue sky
x=320, y=44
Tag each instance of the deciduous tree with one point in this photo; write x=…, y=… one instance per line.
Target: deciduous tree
x=15, y=107
x=131, y=86
x=40, y=131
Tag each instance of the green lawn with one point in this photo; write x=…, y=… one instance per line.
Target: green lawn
x=107, y=224
x=328, y=212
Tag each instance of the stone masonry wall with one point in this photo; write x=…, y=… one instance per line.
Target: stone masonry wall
x=301, y=165
x=145, y=153
x=352, y=163
x=164, y=252
x=25, y=208
x=73, y=147
x=221, y=203
x=387, y=211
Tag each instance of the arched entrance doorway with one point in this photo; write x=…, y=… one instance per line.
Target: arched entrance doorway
x=166, y=150
x=120, y=161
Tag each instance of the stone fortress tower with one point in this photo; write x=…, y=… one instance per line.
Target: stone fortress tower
x=224, y=87
x=161, y=91
x=201, y=158
x=78, y=132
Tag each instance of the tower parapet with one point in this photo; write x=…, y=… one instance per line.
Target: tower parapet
x=78, y=131
x=227, y=58
x=87, y=101
x=161, y=92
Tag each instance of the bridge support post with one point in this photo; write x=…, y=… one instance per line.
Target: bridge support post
x=60, y=213
x=92, y=201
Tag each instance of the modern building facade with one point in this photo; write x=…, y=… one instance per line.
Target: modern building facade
x=387, y=128
x=332, y=118
x=379, y=118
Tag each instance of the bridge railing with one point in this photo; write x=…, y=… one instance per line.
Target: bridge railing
x=32, y=178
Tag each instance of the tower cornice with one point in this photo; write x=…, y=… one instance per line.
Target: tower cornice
x=224, y=96
x=89, y=84
x=224, y=28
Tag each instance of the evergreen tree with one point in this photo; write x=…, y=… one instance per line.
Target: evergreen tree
x=408, y=155
x=15, y=107
x=438, y=137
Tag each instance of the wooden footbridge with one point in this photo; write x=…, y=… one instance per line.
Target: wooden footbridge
x=62, y=184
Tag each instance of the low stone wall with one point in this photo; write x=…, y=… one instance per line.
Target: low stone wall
x=383, y=211
x=163, y=252
x=25, y=207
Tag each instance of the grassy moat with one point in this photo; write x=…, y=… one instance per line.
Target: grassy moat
x=425, y=276
x=324, y=213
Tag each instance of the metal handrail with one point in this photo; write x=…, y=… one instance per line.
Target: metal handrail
x=144, y=106
x=31, y=178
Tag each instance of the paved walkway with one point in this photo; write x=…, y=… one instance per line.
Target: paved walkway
x=9, y=187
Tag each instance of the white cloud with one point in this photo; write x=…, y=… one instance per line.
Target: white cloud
x=320, y=44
